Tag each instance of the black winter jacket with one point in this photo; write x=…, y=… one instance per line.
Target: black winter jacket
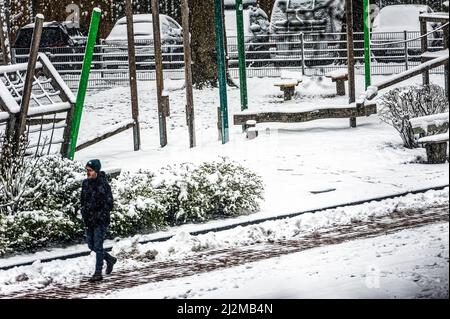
x=96, y=201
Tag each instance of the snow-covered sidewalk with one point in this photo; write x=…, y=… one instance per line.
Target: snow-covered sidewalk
x=136, y=258
x=410, y=264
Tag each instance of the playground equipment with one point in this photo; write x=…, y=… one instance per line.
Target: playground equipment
x=223, y=118
x=430, y=60
x=48, y=118
x=35, y=102
x=351, y=111
x=118, y=128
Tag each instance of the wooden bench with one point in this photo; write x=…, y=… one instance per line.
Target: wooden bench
x=433, y=134
x=289, y=80
x=250, y=119
x=339, y=76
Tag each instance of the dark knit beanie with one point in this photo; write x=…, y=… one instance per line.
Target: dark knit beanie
x=95, y=165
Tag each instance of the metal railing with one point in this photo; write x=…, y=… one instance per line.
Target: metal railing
x=312, y=54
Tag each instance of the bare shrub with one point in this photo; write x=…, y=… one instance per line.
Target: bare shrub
x=402, y=104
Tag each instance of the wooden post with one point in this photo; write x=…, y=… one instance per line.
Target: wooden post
x=159, y=73
x=28, y=84
x=446, y=66
x=133, y=80
x=436, y=153
x=424, y=48
x=190, y=116
x=5, y=45
x=350, y=58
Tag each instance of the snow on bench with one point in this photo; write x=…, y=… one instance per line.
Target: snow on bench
x=339, y=76
x=340, y=73
x=289, y=80
x=305, y=115
x=424, y=124
x=434, y=139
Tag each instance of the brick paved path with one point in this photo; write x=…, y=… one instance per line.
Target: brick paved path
x=225, y=258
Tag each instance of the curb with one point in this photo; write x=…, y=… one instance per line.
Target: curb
x=242, y=224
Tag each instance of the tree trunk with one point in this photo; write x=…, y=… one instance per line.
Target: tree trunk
x=267, y=6
x=203, y=43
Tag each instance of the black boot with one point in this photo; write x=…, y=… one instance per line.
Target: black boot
x=110, y=265
x=96, y=277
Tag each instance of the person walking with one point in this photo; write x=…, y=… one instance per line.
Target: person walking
x=96, y=206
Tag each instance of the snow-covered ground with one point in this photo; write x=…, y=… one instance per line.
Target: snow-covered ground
x=293, y=159
x=409, y=264
x=131, y=254
x=297, y=162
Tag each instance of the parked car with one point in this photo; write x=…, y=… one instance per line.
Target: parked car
x=390, y=26
x=317, y=20
x=54, y=35
x=116, y=44
x=65, y=52
x=256, y=33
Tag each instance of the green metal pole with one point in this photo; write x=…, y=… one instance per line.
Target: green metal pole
x=366, y=22
x=241, y=52
x=84, y=78
x=221, y=68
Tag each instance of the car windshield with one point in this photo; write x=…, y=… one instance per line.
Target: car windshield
x=51, y=37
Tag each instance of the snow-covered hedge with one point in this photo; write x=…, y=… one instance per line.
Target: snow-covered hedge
x=34, y=229
x=143, y=201
x=137, y=207
x=211, y=190
x=60, y=181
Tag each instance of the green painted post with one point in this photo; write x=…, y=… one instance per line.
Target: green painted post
x=366, y=22
x=84, y=78
x=221, y=69
x=241, y=52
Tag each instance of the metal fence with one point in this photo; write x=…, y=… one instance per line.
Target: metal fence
x=266, y=56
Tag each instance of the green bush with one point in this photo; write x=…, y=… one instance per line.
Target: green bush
x=135, y=206
x=212, y=190
x=35, y=229
x=143, y=201
x=61, y=185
